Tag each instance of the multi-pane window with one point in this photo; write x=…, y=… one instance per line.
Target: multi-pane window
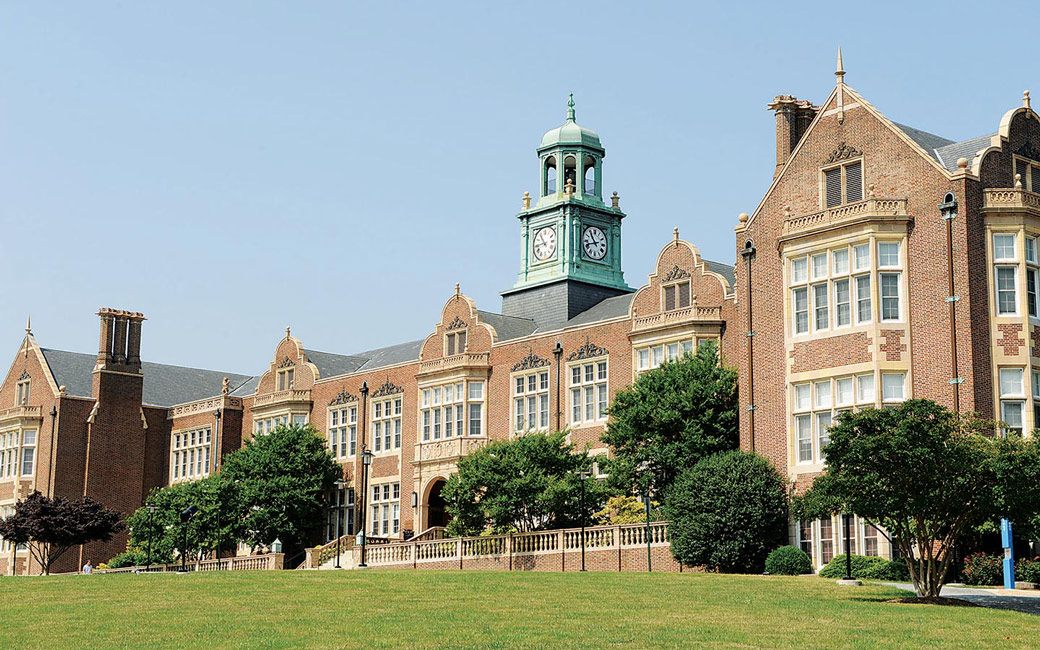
x=843, y=184
x=676, y=296
x=267, y=425
x=870, y=540
x=386, y=425
x=342, y=502
x=22, y=392
x=385, y=510
x=531, y=401
x=1012, y=398
x=588, y=390
x=444, y=410
x=805, y=536
x=652, y=356
x=831, y=289
x=17, y=453
x=190, y=456
x=893, y=387
x=1006, y=275
x=343, y=431
x=817, y=404
x=1032, y=276
x=826, y=540
x=455, y=343
x=285, y=379
x=1036, y=398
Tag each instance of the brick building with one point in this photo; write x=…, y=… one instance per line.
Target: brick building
x=883, y=262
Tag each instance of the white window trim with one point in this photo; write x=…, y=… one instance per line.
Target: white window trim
x=597, y=419
x=537, y=393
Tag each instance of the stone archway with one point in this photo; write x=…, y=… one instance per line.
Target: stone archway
x=435, y=515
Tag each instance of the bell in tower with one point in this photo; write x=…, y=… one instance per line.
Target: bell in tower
x=570, y=251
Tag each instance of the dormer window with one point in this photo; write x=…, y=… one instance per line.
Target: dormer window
x=1028, y=173
x=676, y=296
x=843, y=184
x=285, y=379
x=456, y=343
x=22, y=392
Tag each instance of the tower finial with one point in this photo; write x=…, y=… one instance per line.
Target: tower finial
x=456, y=289
x=570, y=108
x=840, y=72
x=28, y=324
x=675, y=235
x=288, y=332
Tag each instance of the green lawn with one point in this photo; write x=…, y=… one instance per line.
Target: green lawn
x=432, y=609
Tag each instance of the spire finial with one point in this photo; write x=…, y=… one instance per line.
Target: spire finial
x=28, y=324
x=456, y=289
x=1025, y=98
x=675, y=235
x=840, y=72
x=287, y=332
x=570, y=108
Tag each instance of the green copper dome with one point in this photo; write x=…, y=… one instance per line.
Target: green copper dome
x=571, y=133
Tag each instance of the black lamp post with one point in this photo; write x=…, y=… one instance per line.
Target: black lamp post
x=339, y=513
x=186, y=516
x=366, y=461
x=557, y=354
x=848, y=549
x=646, y=501
x=583, y=476
x=151, y=524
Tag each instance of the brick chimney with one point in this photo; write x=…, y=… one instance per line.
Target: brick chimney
x=793, y=117
x=120, y=344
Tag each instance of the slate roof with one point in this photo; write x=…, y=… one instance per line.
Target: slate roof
x=613, y=307
x=330, y=364
x=163, y=385
x=946, y=152
x=725, y=270
x=508, y=327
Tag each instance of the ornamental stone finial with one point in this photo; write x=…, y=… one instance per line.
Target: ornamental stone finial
x=742, y=217
x=962, y=163
x=1018, y=181
x=226, y=387
x=287, y=332
x=614, y=198
x=840, y=71
x=675, y=236
x=570, y=108
x=527, y=200
x=1025, y=98
x=28, y=324
x=456, y=289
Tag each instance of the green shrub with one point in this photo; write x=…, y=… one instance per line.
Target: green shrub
x=860, y=565
x=788, y=561
x=127, y=558
x=1027, y=570
x=889, y=570
x=982, y=569
x=728, y=512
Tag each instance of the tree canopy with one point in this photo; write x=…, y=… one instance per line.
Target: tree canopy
x=926, y=476
x=670, y=418
x=50, y=527
x=530, y=483
x=728, y=512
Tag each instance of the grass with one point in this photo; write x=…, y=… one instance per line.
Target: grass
x=431, y=609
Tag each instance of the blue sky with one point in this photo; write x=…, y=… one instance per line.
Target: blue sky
x=232, y=168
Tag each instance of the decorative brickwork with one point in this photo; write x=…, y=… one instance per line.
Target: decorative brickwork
x=893, y=347
x=831, y=352
x=1010, y=339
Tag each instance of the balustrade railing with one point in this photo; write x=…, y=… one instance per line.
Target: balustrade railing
x=268, y=562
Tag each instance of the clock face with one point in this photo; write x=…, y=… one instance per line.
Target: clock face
x=594, y=242
x=545, y=243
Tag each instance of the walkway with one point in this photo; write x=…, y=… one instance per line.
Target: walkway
x=1018, y=600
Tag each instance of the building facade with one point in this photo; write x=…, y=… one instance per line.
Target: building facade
x=882, y=263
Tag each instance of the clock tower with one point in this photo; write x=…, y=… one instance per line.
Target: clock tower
x=570, y=241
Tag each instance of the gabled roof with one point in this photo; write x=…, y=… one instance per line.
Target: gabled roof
x=330, y=364
x=949, y=154
x=163, y=385
x=508, y=327
x=725, y=270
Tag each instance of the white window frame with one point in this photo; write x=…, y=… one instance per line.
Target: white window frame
x=1011, y=387
x=192, y=453
x=387, y=422
x=530, y=400
x=581, y=413
x=343, y=430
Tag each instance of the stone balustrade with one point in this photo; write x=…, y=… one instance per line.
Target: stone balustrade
x=24, y=412
x=449, y=448
x=282, y=396
x=867, y=209
x=692, y=313
x=454, y=362
x=1014, y=199
x=268, y=562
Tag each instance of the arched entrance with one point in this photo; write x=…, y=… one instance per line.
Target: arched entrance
x=435, y=515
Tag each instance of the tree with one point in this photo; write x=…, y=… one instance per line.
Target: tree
x=626, y=509
x=672, y=417
x=925, y=476
x=728, y=512
x=50, y=527
x=281, y=481
x=530, y=483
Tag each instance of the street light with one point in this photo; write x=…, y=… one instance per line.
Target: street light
x=339, y=509
x=186, y=516
x=366, y=460
x=583, y=476
x=151, y=523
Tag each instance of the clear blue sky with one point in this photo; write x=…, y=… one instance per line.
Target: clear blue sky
x=232, y=168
